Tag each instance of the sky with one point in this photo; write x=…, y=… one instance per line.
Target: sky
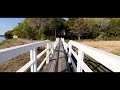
x=7, y=24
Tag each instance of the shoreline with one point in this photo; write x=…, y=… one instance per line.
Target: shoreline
x=14, y=42
x=2, y=38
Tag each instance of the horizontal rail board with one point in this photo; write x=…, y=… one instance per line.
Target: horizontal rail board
x=43, y=52
x=10, y=53
x=83, y=65
x=27, y=66
x=39, y=67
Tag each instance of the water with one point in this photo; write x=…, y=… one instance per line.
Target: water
x=2, y=38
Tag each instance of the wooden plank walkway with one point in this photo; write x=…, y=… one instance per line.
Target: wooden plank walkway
x=58, y=61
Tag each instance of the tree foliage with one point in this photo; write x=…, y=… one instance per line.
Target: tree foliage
x=8, y=34
x=75, y=28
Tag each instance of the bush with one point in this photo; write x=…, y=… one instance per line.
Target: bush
x=104, y=36
x=44, y=37
x=113, y=38
x=101, y=36
x=8, y=35
x=52, y=38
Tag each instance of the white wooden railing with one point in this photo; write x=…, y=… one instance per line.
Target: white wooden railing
x=9, y=53
x=109, y=60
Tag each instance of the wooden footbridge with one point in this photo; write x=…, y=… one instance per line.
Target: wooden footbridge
x=63, y=57
x=58, y=61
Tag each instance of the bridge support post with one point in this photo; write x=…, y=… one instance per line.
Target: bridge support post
x=79, y=60
x=33, y=57
x=47, y=53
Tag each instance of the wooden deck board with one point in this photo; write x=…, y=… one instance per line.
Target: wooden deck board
x=57, y=61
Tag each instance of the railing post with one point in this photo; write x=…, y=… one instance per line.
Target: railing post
x=47, y=61
x=69, y=53
x=66, y=48
x=55, y=43
x=65, y=45
x=52, y=48
x=33, y=57
x=79, y=60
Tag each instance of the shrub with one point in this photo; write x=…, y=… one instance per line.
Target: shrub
x=8, y=35
x=52, y=38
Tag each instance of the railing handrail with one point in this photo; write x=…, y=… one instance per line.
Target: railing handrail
x=10, y=53
x=109, y=60
x=28, y=65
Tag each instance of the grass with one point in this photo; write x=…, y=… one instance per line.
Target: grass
x=66, y=40
x=85, y=40
x=14, y=64
x=117, y=53
x=108, y=46
x=42, y=57
x=82, y=40
x=14, y=42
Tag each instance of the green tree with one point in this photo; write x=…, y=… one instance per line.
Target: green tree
x=114, y=27
x=8, y=34
x=103, y=24
x=92, y=28
x=36, y=25
x=79, y=27
x=55, y=25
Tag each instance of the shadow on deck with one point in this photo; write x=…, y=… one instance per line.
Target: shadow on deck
x=58, y=61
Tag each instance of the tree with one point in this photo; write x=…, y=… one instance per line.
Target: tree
x=92, y=28
x=114, y=27
x=8, y=34
x=79, y=27
x=55, y=25
x=37, y=25
x=40, y=24
x=75, y=28
x=103, y=23
x=20, y=30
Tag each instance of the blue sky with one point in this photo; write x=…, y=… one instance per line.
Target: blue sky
x=8, y=24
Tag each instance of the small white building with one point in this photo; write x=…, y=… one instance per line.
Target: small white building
x=15, y=36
